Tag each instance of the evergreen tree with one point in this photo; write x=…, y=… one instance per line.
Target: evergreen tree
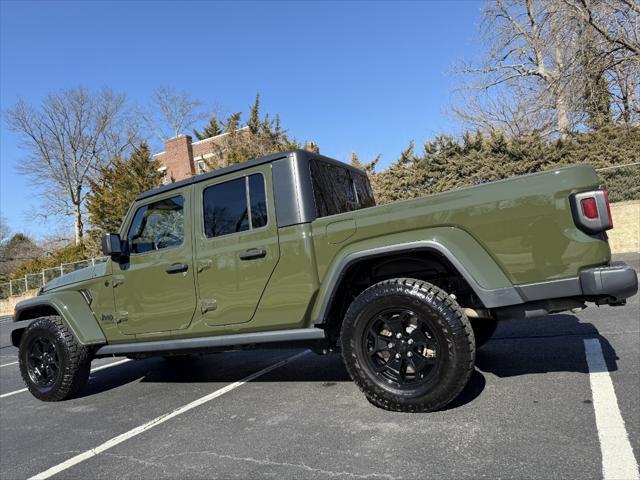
x=233, y=122
x=254, y=123
x=16, y=250
x=213, y=129
x=261, y=136
x=447, y=163
x=117, y=186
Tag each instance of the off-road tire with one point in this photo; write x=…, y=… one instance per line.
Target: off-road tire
x=483, y=330
x=74, y=359
x=450, y=327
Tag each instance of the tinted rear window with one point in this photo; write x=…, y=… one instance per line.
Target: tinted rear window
x=338, y=190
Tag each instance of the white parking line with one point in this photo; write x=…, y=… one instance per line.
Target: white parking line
x=7, y=364
x=159, y=420
x=101, y=367
x=113, y=364
x=618, y=461
x=15, y=392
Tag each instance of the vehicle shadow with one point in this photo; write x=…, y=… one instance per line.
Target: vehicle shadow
x=519, y=347
x=554, y=343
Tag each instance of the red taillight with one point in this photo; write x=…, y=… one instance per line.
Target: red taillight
x=591, y=211
x=606, y=200
x=589, y=207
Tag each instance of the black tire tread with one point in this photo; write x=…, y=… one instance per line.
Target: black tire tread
x=76, y=367
x=450, y=312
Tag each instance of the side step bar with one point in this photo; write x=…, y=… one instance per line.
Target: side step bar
x=294, y=335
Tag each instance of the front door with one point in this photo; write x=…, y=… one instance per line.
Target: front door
x=154, y=287
x=236, y=245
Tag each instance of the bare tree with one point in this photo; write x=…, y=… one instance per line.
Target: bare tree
x=5, y=230
x=617, y=21
x=553, y=63
x=615, y=28
x=528, y=48
x=69, y=136
x=171, y=112
x=515, y=110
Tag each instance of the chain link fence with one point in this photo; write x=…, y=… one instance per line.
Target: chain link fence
x=34, y=281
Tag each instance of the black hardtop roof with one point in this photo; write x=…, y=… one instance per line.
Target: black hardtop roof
x=240, y=166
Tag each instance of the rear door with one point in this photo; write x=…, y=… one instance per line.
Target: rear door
x=154, y=288
x=236, y=244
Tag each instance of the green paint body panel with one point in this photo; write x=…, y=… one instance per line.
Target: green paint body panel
x=148, y=301
x=73, y=308
x=229, y=289
x=524, y=224
x=507, y=233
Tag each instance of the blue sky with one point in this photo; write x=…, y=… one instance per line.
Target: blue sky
x=353, y=76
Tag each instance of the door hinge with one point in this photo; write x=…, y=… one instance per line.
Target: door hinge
x=208, y=305
x=204, y=264
x=117, y=280
x=123, y=316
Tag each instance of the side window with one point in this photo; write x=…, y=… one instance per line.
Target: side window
x=225, y=208
x=234, y=206
x=333, y=188
x=157, y=225
x=363, y=189
x=258, y=201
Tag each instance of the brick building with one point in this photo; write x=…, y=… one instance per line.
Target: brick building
x=183, y=158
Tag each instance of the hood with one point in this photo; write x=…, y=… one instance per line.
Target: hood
x=82, y=275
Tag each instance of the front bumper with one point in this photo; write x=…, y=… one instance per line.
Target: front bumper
x=617, y=280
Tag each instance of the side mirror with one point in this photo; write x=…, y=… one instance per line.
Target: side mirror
x=111, y=245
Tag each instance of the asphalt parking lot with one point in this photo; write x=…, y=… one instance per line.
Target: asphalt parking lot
x=528, y=412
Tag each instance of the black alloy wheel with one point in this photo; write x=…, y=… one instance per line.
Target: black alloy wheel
x=43, y=361
x=401, y=348
x=53, y=363
x=408, y=345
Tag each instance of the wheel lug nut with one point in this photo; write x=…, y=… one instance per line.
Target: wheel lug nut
x=409, y=354
x=397, y=355
x=410, y=341
x=390, y=345
x=398, y=335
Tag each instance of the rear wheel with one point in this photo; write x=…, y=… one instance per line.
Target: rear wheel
x=408, y=345
x=53, y=364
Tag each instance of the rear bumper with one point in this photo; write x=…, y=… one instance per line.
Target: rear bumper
x=617, y=280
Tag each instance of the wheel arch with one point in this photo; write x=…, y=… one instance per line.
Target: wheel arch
x=70, y=306
x=454, y=249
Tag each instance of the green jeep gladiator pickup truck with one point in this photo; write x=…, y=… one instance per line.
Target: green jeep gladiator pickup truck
x=290, y=250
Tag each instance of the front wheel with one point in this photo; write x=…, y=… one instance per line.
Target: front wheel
x=408, y=345
x=53, y=364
